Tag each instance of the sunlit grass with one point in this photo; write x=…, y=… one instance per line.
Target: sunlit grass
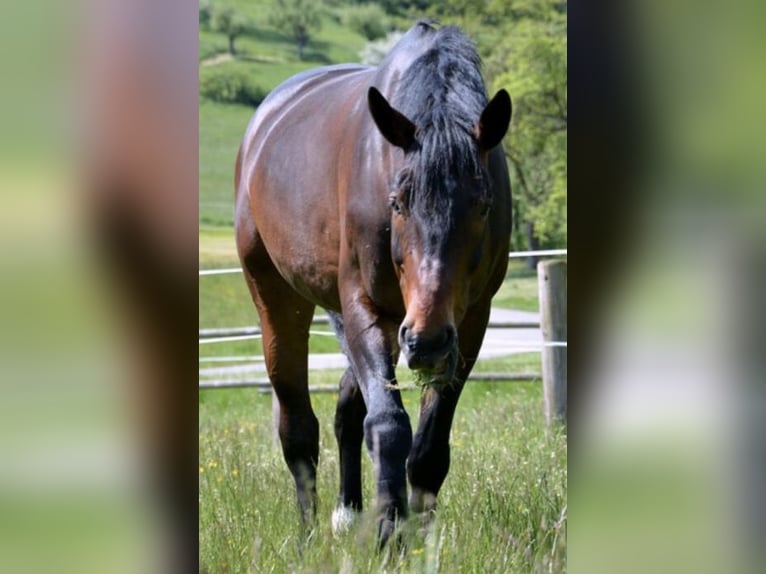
x=502, y=508
x=519, y=290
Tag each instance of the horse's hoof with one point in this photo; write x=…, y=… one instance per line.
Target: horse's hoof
x=343, y=518
x=387, y=533
x=422, y=501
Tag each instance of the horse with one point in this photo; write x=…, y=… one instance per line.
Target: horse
x=382, y=195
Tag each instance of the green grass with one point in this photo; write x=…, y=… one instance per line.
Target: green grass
x=518, y=293
x=216, y=247
x=221, y=128
x=501, y=507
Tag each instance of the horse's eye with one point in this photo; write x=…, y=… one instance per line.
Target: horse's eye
x=483, y=206
x=395, y=205
x=396, y=252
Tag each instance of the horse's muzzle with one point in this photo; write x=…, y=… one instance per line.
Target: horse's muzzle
x=434, y=355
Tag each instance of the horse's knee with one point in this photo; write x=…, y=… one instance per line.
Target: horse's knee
x=349, y=434
x=388, y=435
x=349, y=412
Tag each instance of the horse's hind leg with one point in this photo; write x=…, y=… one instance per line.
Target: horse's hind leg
x=285, y=321
x=349, y=432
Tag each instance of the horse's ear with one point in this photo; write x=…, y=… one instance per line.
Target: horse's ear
x=494, y=121
x=394, y=125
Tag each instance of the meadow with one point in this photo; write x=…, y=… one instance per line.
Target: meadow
x=503, y=505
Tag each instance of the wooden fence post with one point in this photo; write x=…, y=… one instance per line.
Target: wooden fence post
x=552, y=286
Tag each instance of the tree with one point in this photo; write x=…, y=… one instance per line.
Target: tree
x=373, y=52
x=534, y=55
x=229, y=22
x=205, y=14
x=368, y=20
x=403, y=7
x=299, y=19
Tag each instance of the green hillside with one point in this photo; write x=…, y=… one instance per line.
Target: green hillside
x=266, y=57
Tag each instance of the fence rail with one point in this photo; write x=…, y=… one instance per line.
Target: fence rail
x=216, y=333
x=265, y=384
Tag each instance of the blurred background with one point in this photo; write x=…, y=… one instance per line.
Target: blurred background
x=100, y=224
x=666, y=184
x=98, y=252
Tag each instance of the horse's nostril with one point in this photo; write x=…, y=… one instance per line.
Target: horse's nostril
x=417, y=346
x=405, y=340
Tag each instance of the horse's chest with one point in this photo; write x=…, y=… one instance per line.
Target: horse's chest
x=380, y=281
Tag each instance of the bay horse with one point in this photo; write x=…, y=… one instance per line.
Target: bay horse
x=382, y=195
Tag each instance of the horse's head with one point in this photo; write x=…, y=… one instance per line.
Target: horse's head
x=441, y=199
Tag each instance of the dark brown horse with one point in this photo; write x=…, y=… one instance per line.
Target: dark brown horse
x=394, y=217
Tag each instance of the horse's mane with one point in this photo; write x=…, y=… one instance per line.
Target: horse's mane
x=443, y=93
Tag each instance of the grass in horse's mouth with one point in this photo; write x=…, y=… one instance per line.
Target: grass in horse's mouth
x=425, y=378
x=435, y=377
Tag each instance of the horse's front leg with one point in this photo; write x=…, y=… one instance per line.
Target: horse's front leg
x=429, y=459
x=372, y=351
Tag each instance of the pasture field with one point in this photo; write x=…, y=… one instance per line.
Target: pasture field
x=221, y=127
x=501, y=509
